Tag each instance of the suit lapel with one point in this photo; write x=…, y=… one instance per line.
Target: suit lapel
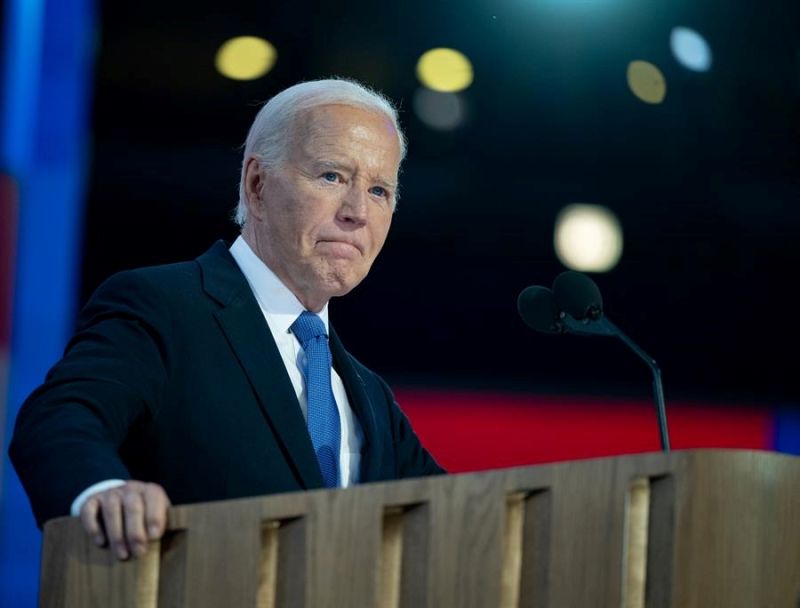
x=241, y=320
x=362, y=406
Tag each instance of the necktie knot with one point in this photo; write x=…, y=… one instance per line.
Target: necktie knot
x=307, y=327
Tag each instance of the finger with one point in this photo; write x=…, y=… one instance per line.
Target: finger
x=91, y=523
x=156, y=504
x=133, y=520
x=111, y=505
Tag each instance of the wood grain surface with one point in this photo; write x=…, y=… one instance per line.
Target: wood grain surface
x=692, y=529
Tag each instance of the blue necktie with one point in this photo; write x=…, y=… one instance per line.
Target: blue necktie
x=323, y=415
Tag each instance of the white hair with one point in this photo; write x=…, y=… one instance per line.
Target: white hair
x=270, y=133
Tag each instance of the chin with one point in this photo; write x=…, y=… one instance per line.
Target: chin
x=345, y=272
x=338, y=285
x=341, y=288
x=334, y=277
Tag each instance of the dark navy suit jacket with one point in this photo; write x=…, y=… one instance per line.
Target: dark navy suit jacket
x=174, y=377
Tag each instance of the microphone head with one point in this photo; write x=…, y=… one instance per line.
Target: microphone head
x=577, y=295
x=536, y=306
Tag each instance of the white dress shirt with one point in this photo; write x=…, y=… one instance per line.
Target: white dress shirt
x=280, y=308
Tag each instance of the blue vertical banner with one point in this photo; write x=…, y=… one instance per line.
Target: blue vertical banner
x=787, y=429
x=49, y=49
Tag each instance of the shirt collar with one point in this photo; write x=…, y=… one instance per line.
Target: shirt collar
x=274, y=298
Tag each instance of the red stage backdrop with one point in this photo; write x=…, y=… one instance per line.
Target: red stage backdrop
x=473, y=431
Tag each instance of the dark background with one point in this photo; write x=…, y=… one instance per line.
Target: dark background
x=705, y=185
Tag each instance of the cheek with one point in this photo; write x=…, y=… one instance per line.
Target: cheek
x=300, y=227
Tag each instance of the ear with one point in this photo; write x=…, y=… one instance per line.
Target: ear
x=253, y=186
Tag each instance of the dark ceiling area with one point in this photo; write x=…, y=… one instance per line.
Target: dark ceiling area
x=705, y=184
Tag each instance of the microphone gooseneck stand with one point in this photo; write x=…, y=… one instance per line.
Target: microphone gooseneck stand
x=603, y=327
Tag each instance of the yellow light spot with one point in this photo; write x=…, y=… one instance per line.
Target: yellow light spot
x=588, y=238
x=245, y=58
x=646, y=82
x=444, y=70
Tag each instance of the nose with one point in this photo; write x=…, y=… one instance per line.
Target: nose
x=354, y=205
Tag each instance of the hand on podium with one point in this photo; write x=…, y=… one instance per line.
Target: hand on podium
x=126, y=517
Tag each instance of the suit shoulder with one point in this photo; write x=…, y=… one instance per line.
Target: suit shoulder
x=149, y=291
x=165, y=279
x=161, y=274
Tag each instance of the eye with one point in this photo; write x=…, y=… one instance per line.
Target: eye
x=378, y=191
x=330, y=176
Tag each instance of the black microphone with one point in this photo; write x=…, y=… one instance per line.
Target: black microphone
x=536, y=306
x=575, y=306
x=579, y=306
x=578, y=295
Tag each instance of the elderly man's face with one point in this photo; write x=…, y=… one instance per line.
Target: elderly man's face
x=319, y=220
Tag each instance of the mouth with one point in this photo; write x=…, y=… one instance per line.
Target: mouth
x=342, y=246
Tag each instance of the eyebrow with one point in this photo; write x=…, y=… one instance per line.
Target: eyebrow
x=334, y=164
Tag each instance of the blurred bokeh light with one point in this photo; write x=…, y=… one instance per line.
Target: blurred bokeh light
x=646, y=82
x=245, y=58
x=445, y=70
x=690, y=49
x=588, y=238
x=440, y=111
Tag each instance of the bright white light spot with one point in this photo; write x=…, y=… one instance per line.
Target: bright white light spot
x=690, y=49
x=441, y=111
x=588, y=238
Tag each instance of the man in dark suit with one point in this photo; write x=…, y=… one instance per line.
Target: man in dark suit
x=218, y=378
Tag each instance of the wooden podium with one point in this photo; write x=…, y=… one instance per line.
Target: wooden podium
x=704, y=529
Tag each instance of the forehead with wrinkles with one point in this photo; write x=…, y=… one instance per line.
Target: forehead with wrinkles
x=325, y=129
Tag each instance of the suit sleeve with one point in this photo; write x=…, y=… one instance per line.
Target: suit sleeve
x=69, y=431
x=412, y=459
